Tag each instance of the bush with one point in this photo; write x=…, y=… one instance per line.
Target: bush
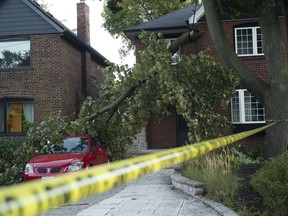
x=272, y=183
x=14, y=154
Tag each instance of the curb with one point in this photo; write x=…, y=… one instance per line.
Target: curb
x=195, y=189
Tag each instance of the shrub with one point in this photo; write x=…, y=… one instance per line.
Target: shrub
x=13, y=156
x=272, y=183
x=216, y=171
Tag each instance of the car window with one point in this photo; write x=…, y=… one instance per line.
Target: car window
x=93, y=142
x=70, y=145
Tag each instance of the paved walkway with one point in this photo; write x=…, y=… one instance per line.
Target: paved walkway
x=151, y=195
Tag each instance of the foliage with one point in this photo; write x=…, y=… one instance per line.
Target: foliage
x=52, y=128
x=272, y=183
x=239, y=7
x=43, y=4
x=14, y=154
x=196, y=86
x=123, y=14
x=120, y=15
x=217, y=173
x=239, y=157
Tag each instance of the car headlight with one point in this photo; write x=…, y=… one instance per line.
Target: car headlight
x=75, y=166
x=29, y=168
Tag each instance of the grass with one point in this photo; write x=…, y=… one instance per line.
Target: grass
x=217, y=172
x=226, y=176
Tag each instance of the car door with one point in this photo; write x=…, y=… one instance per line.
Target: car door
x=102, y=152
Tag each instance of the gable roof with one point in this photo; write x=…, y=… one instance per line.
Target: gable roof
x=26, y=17
x=175, y=22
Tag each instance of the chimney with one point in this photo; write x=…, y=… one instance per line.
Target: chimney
x=83, y=23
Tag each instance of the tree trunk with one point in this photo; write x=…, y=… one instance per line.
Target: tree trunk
x=276, y=109
x=253, y=83
x=273, y=96
x=276, y=100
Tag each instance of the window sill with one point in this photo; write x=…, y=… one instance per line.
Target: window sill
x=16, y=69
x=252, y=57
x=13, y=134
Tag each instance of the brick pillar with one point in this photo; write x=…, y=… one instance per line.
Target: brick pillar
x=83, y=22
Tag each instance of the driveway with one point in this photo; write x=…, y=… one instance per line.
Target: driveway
x=153, y=194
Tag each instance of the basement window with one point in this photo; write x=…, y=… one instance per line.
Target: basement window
x=14, y=53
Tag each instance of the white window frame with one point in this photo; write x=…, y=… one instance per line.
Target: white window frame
x=242, y=110
x=176, y=55
x=254, y=41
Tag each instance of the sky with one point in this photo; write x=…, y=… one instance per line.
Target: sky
x=100, y=39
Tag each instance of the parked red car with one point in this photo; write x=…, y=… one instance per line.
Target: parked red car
x=77, y=152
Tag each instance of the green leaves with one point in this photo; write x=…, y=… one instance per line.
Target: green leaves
x=197, y=87
x=123, y=14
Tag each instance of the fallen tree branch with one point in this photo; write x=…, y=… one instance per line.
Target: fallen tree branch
x=112, y=107
x=184, y=39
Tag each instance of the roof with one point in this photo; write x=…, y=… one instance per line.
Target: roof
x=174, y=22
x=26, y=17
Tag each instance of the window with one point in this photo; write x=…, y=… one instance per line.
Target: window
x=14, y=54
x=248, y=41
x=14, y=113
x=246, y=109
x=176, y=56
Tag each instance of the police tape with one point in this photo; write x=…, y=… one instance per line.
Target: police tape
x=35, y=197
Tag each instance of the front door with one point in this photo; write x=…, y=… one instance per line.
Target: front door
x=182, y=131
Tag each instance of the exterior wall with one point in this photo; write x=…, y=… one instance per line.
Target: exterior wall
x=39, y=82
x=162, y=134
x=70, y=74
x=53, y=79
x=94, y=77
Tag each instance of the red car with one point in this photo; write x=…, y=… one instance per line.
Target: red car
x=77, y=152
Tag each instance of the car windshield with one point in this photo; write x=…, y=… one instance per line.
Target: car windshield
x=71, y=145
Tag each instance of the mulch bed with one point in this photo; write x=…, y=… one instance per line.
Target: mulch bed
x=249, y=199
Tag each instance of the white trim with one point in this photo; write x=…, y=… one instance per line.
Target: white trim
x=254, y=41
x=198, y=15
x=241, y=107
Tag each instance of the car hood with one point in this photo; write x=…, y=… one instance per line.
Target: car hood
x=51, y=160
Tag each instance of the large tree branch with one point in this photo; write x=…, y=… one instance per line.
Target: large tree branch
x=113, y=107
x=184, y=39
x=253, y=83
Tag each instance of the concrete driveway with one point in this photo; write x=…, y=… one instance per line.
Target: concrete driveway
x=153, y=194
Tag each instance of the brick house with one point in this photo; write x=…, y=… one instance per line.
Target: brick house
x=43, y=64
x=244, y=111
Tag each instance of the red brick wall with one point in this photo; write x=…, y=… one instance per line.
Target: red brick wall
x=162, y=134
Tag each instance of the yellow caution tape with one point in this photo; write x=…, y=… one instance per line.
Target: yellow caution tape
x=35, y=197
